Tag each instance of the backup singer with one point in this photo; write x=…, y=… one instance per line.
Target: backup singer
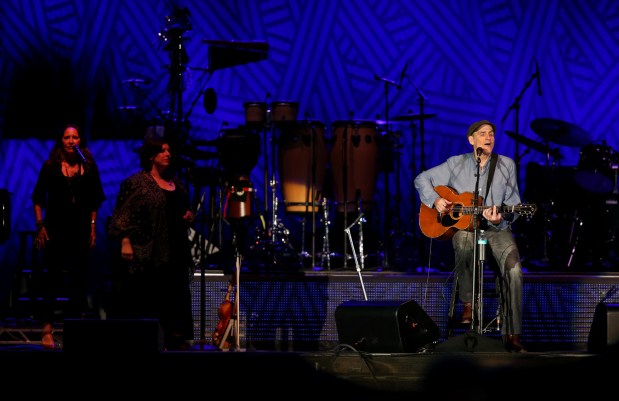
x=150, y=221
x=66, y=197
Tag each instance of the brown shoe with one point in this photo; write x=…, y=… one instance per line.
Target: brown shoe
x=467, y=313
x=513, y=344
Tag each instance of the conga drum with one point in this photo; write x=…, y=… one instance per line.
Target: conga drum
x=354, y=163
x=284, y=111
x=255, y=113
x=238, y=150
x=302, y=165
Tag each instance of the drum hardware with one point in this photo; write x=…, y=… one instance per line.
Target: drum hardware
x=326, y=253
x=387, y=216
x=302, y=161
x=258, y=116
x=595, y=168
x=560, y=132
x=413, y=117
x=422, y=116
x=238, y=203
x=537, y=146
x=354, y=163
x=574, y=236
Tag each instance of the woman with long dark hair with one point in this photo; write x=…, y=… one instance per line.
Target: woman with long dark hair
x=67, y=195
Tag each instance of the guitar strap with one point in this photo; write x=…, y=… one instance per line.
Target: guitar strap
x=493, y=161
x=483, y=224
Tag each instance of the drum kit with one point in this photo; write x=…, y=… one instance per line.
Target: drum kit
x=580, y=219
x=316, y=171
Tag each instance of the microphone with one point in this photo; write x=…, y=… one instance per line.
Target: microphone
x=397, y=85
x=79, y=153
x=539, y=82
x=479, y=151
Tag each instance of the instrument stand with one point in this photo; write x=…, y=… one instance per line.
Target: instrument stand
x=326, y=252
x=387, y=216
x=199, y=241
x=516, y=106
x=233, y=327
x=310, y=200
x=422, y=162
x=352, y=247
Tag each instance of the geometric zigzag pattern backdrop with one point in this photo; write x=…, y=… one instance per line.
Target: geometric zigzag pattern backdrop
x=106, y=66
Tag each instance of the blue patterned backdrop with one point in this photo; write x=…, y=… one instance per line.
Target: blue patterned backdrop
x=106, y=65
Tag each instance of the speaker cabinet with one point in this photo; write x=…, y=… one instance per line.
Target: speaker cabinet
x=604, y=333
x=384, y=326
x=112, y=336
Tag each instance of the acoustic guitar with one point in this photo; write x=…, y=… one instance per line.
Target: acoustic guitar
x=461, y=216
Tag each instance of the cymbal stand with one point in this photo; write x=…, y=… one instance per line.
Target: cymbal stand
x=516, y=107
x=310, y=195
x=312, y=187
x=345, y=191
x=361, y=221
x=267, y=126
x=422, y=157
x=388, y=214
x=326, y=253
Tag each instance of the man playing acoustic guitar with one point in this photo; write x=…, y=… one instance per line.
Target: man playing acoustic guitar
x=444, y=209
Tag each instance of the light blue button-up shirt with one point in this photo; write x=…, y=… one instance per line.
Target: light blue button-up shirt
x=459, y=173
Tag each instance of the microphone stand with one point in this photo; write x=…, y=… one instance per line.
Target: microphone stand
x=359, y=220
x=477, y=270
x=516, y=107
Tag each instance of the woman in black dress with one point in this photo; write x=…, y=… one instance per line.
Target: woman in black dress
x=150, y=221
x=67, y=195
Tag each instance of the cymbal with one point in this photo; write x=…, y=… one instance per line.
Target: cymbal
x=560, y=132
x=205, y=142
x=533, y=144
x=413, y=117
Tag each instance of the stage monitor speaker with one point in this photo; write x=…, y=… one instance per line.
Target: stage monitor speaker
x=604, y=333
x=112, y=335
x=385, y=326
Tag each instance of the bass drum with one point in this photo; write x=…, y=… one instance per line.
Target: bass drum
x=355, y=150
x=595, y=168
x=302, y=165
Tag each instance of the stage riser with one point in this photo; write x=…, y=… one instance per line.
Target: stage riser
x=293, y=313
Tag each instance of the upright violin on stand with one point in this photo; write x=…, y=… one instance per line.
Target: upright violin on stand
x=225, y=314
x=229, y=313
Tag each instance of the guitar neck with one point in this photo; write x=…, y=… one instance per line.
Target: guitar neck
x=499, y=209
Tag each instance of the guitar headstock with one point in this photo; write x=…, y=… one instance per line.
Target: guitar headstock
x=526, y=210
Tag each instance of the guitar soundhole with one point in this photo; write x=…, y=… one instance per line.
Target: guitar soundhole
x=447, y=221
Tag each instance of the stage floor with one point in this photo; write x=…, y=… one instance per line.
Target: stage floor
x=341, y=372
x=290, y=345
